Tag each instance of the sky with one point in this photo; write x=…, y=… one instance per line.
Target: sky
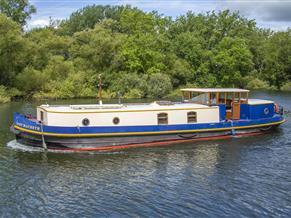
x=274, y=14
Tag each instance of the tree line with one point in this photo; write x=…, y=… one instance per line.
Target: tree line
x=138, y=54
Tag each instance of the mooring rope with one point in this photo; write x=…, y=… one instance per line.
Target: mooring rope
x=42, y=137
x=232, y=129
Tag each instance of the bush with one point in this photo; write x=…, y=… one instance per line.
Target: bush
x=131, y=85
x=31, y=80
x=134, y=93
x=286, y=86
x=159, y=85
x=255, y=83
x=175, y=94
x=4, y=95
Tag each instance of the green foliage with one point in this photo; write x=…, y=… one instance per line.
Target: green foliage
x=31, y=80
x=256, y=83
x=129, y=84
x=159, y=85
x=12, y=50
x=88, y=17
x=97, y=47
x=233, y=61
x=18, y=10
x=4, y=96
x=277, y=59
x=140, y=54
x=286, y=86
x=7, y=94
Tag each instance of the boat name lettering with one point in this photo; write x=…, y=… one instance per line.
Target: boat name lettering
x=37, y=128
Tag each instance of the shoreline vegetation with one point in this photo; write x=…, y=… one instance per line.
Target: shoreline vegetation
x=138, y=54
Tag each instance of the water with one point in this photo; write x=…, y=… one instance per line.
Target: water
x=239, y=177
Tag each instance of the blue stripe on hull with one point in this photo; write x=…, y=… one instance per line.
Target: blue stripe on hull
x=25, y=123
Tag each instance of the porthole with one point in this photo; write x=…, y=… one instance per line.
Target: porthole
x=85, y=122
x=116, y=120
x=266, y=111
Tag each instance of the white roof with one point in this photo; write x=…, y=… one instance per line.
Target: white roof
x=259, y=101
x=118, y=108
x=214, y=90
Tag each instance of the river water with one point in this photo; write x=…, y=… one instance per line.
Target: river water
x=238, y=177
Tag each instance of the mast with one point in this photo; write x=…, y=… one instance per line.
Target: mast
x=100, y=89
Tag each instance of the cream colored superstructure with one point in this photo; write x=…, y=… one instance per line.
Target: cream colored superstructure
x=128, y=115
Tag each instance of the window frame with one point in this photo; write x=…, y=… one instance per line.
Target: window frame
x=41, y=116
x=162, y=118
x=189, y=117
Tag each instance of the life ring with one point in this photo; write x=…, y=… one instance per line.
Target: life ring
x=276, y=108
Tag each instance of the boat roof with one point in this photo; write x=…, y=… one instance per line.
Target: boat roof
x=259, y=101
x=207, y=90
x=122, y=107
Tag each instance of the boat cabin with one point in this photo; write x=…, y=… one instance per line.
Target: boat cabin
x=234, y=104
x=199, y=106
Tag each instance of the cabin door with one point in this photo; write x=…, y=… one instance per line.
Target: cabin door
x=236, y=110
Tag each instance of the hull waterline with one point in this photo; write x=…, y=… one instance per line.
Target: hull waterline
x=133, y=141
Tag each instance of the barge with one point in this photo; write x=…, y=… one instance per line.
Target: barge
x=203, y=114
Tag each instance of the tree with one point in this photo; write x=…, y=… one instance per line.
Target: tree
x=12, y=50
x=89, y=16
x=232, y=62
x=18, y=10
x=277, y=61
x=97, y=47
x=44, y=43
x=139, y=54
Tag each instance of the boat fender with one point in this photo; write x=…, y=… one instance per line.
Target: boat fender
x=266, y=128
x=187, y=137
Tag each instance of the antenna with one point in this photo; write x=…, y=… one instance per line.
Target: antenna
x=100, y=89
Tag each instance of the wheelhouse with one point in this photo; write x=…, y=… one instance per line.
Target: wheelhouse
x=228, y=99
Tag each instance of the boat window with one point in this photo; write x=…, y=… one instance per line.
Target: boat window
x=192, y=117
x=116, y=120
x=244, y=97
x=200, y=98
x=41, y=115
x=162, y=118
x=85, y=122
x=213, y=98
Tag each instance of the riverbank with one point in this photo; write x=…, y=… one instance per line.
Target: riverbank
x=7, y=95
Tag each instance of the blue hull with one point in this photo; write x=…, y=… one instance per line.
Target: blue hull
x=25, y=124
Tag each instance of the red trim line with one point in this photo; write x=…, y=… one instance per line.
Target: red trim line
x=153, y=144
